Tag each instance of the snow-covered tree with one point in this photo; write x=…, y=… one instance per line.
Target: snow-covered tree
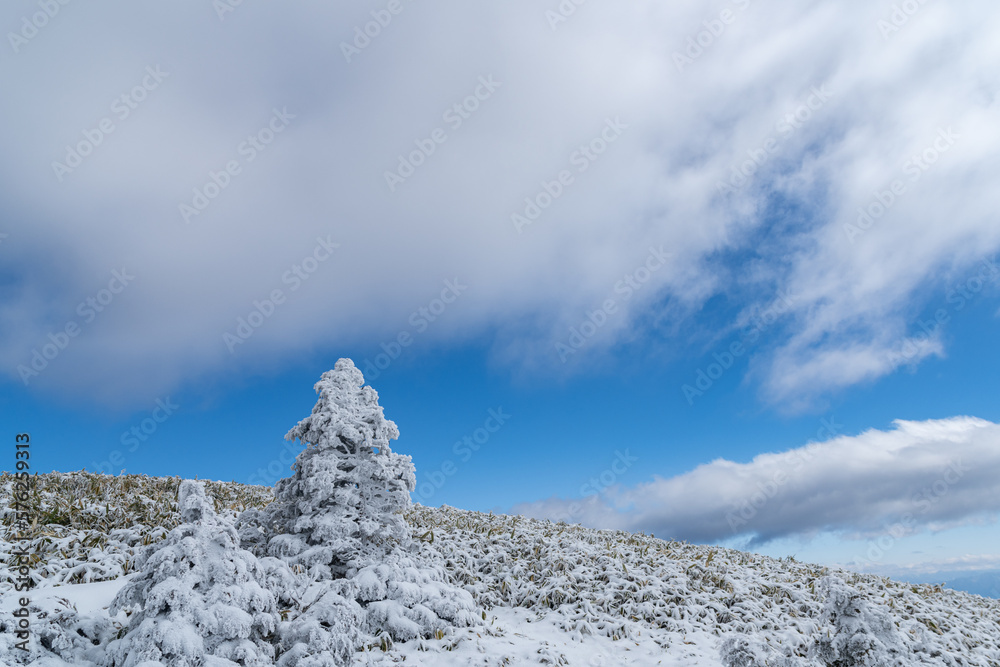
x=339, y=520
x=198, y=600
x=863, y=634
x=346, y=499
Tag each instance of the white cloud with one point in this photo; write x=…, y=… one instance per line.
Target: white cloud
x=921, y=476
x=324, y=174
x=968, y=563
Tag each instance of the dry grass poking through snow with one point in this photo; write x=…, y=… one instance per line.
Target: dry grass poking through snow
x=86, y=526
x=625, y=585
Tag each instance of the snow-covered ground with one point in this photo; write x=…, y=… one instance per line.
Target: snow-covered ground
x=86, y=599
x=509, y=637
x=520, y=636
x=549, y=593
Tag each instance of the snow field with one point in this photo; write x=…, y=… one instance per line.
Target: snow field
x=552, y=593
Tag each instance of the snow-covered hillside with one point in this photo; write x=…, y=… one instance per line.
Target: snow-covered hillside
x=549, y=593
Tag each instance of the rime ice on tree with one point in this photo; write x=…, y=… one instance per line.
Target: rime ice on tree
x=339, y=518
x=345, y=501
x=198, y=597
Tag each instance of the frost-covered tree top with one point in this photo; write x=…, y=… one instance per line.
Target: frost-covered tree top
x=346, y=498
x=347, y=415
x=194, y=505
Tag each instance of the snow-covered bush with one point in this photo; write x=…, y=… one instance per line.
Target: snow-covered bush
x=742, y=651
x=198, y=599
x=325, y=634
x=57, y=635
x=863, y=634
x=339, y=520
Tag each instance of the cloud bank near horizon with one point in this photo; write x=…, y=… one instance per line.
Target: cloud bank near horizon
x=920, y=476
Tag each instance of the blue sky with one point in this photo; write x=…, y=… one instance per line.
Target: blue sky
x=657, y=243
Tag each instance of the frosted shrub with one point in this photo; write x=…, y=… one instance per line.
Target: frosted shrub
x=742, y=651
x=197, y=600
x=862, y=634
x=57, y=631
